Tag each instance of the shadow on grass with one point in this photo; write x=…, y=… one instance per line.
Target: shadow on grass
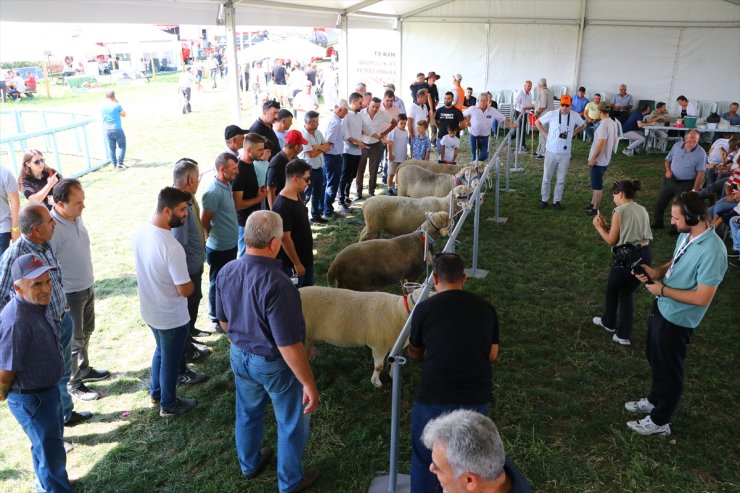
x=116, y=286
x=8, y=474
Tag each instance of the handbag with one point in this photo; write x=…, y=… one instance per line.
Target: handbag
x=625, y=254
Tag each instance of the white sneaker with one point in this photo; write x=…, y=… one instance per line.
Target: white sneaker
x=641, y=406
x=627, y=152
x=597, y=321
x=646, y=427
x=620, y=341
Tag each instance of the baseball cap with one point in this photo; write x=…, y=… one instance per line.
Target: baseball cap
x=565, y=99
x=605, y=106
x=391, y=86
x=29, y=266
x=432, y=74
x=294, y=137
x=457, y=77
x=342, y=103
x=232, y=131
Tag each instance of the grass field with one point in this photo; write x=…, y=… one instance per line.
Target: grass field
x=559, y=384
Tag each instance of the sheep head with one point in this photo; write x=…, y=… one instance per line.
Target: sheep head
x=462, y=191
x=437, y=224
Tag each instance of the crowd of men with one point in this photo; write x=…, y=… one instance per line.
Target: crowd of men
x=253, y=228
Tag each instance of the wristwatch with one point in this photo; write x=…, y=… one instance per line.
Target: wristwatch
x=15, y=229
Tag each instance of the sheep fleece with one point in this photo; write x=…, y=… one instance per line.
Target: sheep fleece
x=414, y=181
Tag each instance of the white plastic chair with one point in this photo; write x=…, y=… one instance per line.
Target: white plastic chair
x=620, y=135
x=706, y=108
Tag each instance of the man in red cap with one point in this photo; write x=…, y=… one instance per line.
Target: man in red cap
x=294, y=143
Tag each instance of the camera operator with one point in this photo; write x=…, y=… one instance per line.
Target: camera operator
x=563, y=125
x=630, y=236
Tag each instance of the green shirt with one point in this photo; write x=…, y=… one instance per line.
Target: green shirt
x=634, y=223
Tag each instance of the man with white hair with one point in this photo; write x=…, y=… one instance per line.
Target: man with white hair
x=543, y=105
x=467, y=455
x=479, y=120
x=305, y=101
x=622, y=104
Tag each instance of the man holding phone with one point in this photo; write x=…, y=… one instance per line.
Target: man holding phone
x=247, y=191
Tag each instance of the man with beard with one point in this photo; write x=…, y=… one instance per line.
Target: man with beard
x=164, y=286
x=263, y=125
x=448, y=114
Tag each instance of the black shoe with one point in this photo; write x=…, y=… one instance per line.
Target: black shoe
x=539, y=156
x=657, y=226
x=200, y=333
x=319, y=220
x=83, y=393
x=181, y=406
x=347, y=202
x=592, y=212
x=265, y=456
x=589, y=206
x=392, y=192
x=94, y=375
x=558, y=207
x=199, y=354
x=190, y=377
x=76, y=418
x=543, y=205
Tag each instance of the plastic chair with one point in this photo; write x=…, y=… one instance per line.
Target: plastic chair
x=620, y=135
x=706, y=108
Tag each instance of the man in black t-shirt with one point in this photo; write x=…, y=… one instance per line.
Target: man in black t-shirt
x=297, y=251
x=263, y=125
x=247, y=193
x=455, y=334
x=294, y=143
x=448, y=114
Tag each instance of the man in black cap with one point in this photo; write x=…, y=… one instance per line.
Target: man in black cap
x=31, y=365
x=263, y=125
x=234, y=137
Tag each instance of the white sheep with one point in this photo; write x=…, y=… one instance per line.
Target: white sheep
x=401, y=215
x=414, y=181
x=450, y=169
x=347, y=318
x=374, y=264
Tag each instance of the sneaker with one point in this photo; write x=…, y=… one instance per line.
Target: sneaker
x=597, y=321
x=319, y=220
x=199, y=354
x=200, y=333
x=83, y=393
x=641, y=406
x=76, y=418
x=592, y=212
x=392, y=192
x=326, y=218
x=539, y=156
x=343, y=209
x=620, y=341
x=309, y=478
x=94, y=375
x=558, y=207
x=181, y=406
x=646, y=427
x=190, y=377
x=543, y=205
x=627, y=152
x=153, y=402
x=265, y=456
x=122, y=166
x=588, y=207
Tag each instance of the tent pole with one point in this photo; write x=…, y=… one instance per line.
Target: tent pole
x=577, y=67
x=488, y=54
x=400, y=78
x=233, y=65
x=344, y=88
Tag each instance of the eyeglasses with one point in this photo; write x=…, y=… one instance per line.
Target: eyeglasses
x=39, y=161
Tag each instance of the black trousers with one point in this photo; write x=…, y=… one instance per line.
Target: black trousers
x=350, y=162
x=620, y=287
x=216, y=260
x=670, y=189
x=665, y=351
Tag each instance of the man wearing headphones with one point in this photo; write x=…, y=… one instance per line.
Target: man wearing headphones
x=684, y=288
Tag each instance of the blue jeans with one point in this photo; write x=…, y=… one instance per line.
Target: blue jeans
x=422, y=479
x=216, y=260
x=478, y=148
x=332, y=172
x=721, y=205
x=166, y=363
x=315, y=192
x=735, y=230
x=4, y=242
x=66, y=330
x=256, y=379
x=305, y=280
x=116, y=137
x=40, y=416
x=242, y=245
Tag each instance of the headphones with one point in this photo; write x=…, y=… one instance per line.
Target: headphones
x=692, y=219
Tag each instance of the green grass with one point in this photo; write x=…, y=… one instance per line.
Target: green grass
x=559, y=384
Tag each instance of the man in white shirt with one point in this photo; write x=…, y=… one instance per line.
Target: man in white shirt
x=479, y=120
x=563, y=126
x=164, y=285
x=353, y=127
x=688, y=108
x=312, y=153
x=419, y=111
x=305, y=101
x=523, y=102
x=379, y=124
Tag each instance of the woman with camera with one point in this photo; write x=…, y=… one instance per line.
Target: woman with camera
x=629, y=235
x=36, y=179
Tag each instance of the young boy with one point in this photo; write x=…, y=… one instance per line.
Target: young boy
x=421, y=146
x=398, y=143
x=450, y=145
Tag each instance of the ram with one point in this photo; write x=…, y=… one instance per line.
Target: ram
x=414, y=181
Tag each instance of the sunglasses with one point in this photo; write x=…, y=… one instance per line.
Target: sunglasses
x=565, y=105
x=39, y=161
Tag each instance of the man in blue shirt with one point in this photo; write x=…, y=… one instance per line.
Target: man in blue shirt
x=333, y=157
x=732, y=116
x=112, y=113
x=31, y=365
x=580, y=101
x=684, y=288
x=632, y=130
x=260, y=310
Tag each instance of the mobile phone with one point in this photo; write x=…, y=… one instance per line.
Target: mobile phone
x=637, y=268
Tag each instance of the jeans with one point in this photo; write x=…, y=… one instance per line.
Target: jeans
x=40, y=416
x=721, y=205
x=671, y=188
x=478, y=148
x=256, y=378
x=665, y=351
x=591, y=128
x=216, y=260
x=193, y=304
x=422, y=479
x=315, y=192
x=116, y=137
x=305, y=280
x=554, y=162
x=65, y=331
x=620, y=288
x=241, y=244
x=4, y=242
x=349, y=172
x=82, y=313
x=332, y=172
x=735, y=230
x=166, y=362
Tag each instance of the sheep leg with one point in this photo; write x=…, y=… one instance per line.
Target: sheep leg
x=378, y=362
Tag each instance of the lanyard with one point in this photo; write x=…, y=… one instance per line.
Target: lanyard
x=682, y=251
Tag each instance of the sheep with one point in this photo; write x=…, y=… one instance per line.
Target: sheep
x=401, y=215
x=450, y=169
x=347, y=318
x=375, y=264
x=414, y=181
